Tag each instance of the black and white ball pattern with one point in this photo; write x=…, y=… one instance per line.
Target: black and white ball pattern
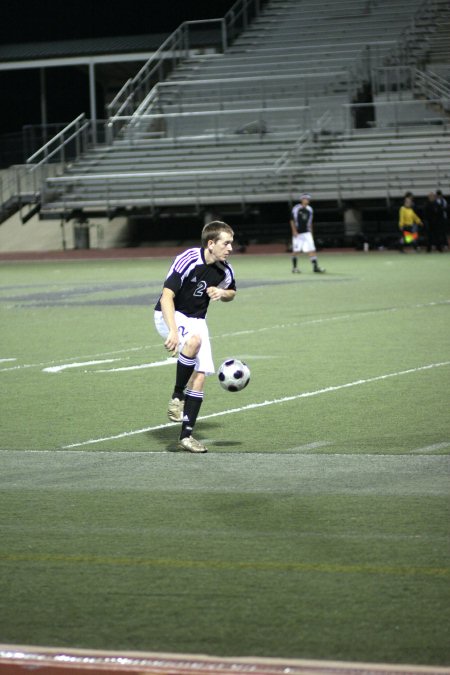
x=234, y=375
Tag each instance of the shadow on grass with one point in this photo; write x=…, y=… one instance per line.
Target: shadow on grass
x=168, y=437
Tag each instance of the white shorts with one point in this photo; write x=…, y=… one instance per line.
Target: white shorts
x=303, y=242
x=188, y=326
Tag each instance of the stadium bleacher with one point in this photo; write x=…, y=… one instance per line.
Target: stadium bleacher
x=281, y=110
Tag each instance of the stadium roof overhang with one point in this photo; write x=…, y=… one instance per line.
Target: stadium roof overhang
x=83, y=60
x=92, y=54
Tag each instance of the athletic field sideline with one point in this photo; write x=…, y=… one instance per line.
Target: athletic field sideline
x=317, y=526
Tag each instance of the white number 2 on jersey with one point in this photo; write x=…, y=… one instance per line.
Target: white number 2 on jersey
x=200, y=289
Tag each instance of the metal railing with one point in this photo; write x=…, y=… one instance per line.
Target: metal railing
x=397, y=116
x=249, y=184
x=261, y=88
x=217, y=124
x=68, y=144
x=173, y=50
x=269, y=121
x=134, y=95
x=258, y=125
x=308, y=139
x=259, y=91
x=24, y=183
x=412, y=41
x=372, y=56
x=35, y=136
x=432, y=86
x=74, y=139
x=76, y=131
x=401, y=81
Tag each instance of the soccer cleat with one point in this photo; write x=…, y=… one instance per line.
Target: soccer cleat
x=191, y=445
x=318, y=269
x=175, y=410
x=295, y=270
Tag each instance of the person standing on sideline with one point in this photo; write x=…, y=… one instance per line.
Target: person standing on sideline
x=442, y=203
x=408, y=222
x=444, y=206
x=196, y=276
x=433, y=215
x=302, y=233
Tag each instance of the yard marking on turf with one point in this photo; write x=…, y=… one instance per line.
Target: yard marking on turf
x=269, y=566
x=167, y=362
x=90, y=356
x=254, y=406
x=155, y=364
x=65, y=366
x=296, y=324
x=432, y=448
x=309, y=446
x=7, y=360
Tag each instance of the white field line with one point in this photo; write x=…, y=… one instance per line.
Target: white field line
x=65, y=366
x=432, y=448
x=309, y=446
x=78, y=358
x=155, y=364
x=254, y=406
x=67, y=450
x=167, y=362
x=7, y=360
x=339, y=317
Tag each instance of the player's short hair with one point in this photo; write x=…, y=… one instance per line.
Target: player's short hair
x=213, y=230
x=305, y=195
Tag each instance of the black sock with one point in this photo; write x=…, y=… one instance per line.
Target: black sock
x=294, y=262
x=192, y=403
x=185, y=368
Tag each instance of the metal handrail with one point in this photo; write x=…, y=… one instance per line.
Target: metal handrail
x=38, y=168
x=293, y=177
x=432, y=83
x=161, y=174
x=140, y=85
x=132, y=123
x=253, y=78
x=303, y=141
x=342, y=121
x=134, y=92
x=408, y=37
x=154, y=101
x=41, y=170
x=250, y=169
x=79, y=123
x=116, y=100
x=201, y=113
x=125, y=96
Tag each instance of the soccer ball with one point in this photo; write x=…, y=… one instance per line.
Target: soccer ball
x=234, y=375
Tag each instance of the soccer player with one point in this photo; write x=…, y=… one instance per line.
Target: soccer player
x=302, y=233
x=196, y=276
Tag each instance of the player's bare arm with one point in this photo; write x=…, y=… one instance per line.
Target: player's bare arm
x=168, y=311
x=293, y=228
x=225, y=295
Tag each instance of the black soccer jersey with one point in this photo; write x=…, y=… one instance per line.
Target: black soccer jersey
x=302, y=216
x=189, y=276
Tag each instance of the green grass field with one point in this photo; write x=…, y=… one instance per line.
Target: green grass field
x=317, y=526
